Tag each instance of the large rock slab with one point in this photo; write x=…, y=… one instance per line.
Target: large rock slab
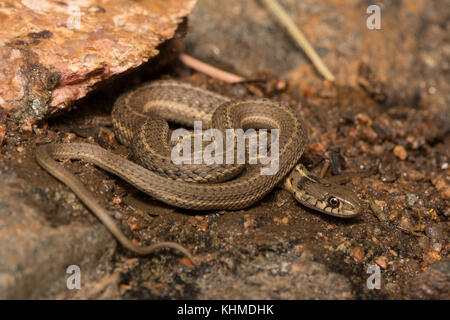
x=54, y=52
x=35, y=254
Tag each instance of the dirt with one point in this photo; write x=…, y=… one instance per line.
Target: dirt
x=392, y=150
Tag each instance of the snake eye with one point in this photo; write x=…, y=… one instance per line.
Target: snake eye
x=333, y=202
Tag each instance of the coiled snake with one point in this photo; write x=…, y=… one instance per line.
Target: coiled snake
x=139, y=119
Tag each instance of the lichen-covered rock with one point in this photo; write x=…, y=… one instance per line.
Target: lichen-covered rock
x=54, y=52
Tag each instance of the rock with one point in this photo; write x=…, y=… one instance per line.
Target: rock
x=411, y=199
x=381, y=261
x=290, y=278
x=431, y=257
x=358, y=253
x=400, y=152
x=54, y=52
x=2, y=126
x=434, y=283
x=30, y=242
x=415, y=175
x=435, y=232
x=442, y=185
x=364, y=119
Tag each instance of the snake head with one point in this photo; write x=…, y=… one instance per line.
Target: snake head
x=322, y=195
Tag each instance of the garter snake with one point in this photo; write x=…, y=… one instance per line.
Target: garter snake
x=140, y=121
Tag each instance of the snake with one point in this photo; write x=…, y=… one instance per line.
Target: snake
x=140, y=119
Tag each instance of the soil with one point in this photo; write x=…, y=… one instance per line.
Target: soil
x=392, y=150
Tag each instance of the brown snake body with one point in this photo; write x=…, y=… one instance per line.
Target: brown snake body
x=149, y=107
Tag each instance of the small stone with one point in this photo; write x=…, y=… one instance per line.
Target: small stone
x=2, y=126
x=203, y=226
x=281, y=85
x=447, y=212
x=431, y=257
x=249, y=223
x=435, y=232
x=381, y=261
x=358, y=253
x=411, y=199
x=27, y=126
x=364, y=119
x=69, y=137
x=368, y=134
x=445, y=194
x=424, y=243
x=116, y=200
x=382, y=204
x=393, y=215
x=316, y=148
x=406, y=222
x=415, y=175
x=439, y=182
x=358, y=232
x=437, y=247
x=378, y=150
x=125, y=287
x=185, y=261
x=132, y=223
x=400, y=152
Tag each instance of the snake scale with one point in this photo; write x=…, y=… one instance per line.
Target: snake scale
x=140, y=121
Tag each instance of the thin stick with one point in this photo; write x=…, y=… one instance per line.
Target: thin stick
x=209, y=70
x=298, y=36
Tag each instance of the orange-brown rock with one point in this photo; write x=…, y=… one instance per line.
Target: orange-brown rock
x=54, y=52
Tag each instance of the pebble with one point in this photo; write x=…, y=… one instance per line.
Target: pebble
x=434, y=232
x=411, y=199
x=2, y=133
x=358, y=232
x=249, y=223
x=431, y=257
x=116, y=200
x=410, y=267
x=436, y=247
x=381, y=261
x=317, y=148
x=424, y=243
x=415, y=175
x=445, y=194
x=378, y=150
x=393, y=215
x=406, y=222
x=364, y=119
x=447, y=212
x=69, y=137
x=382, y=204
x=185, y=261
x=400, y=152
x=368, y=134
x=358, y=253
